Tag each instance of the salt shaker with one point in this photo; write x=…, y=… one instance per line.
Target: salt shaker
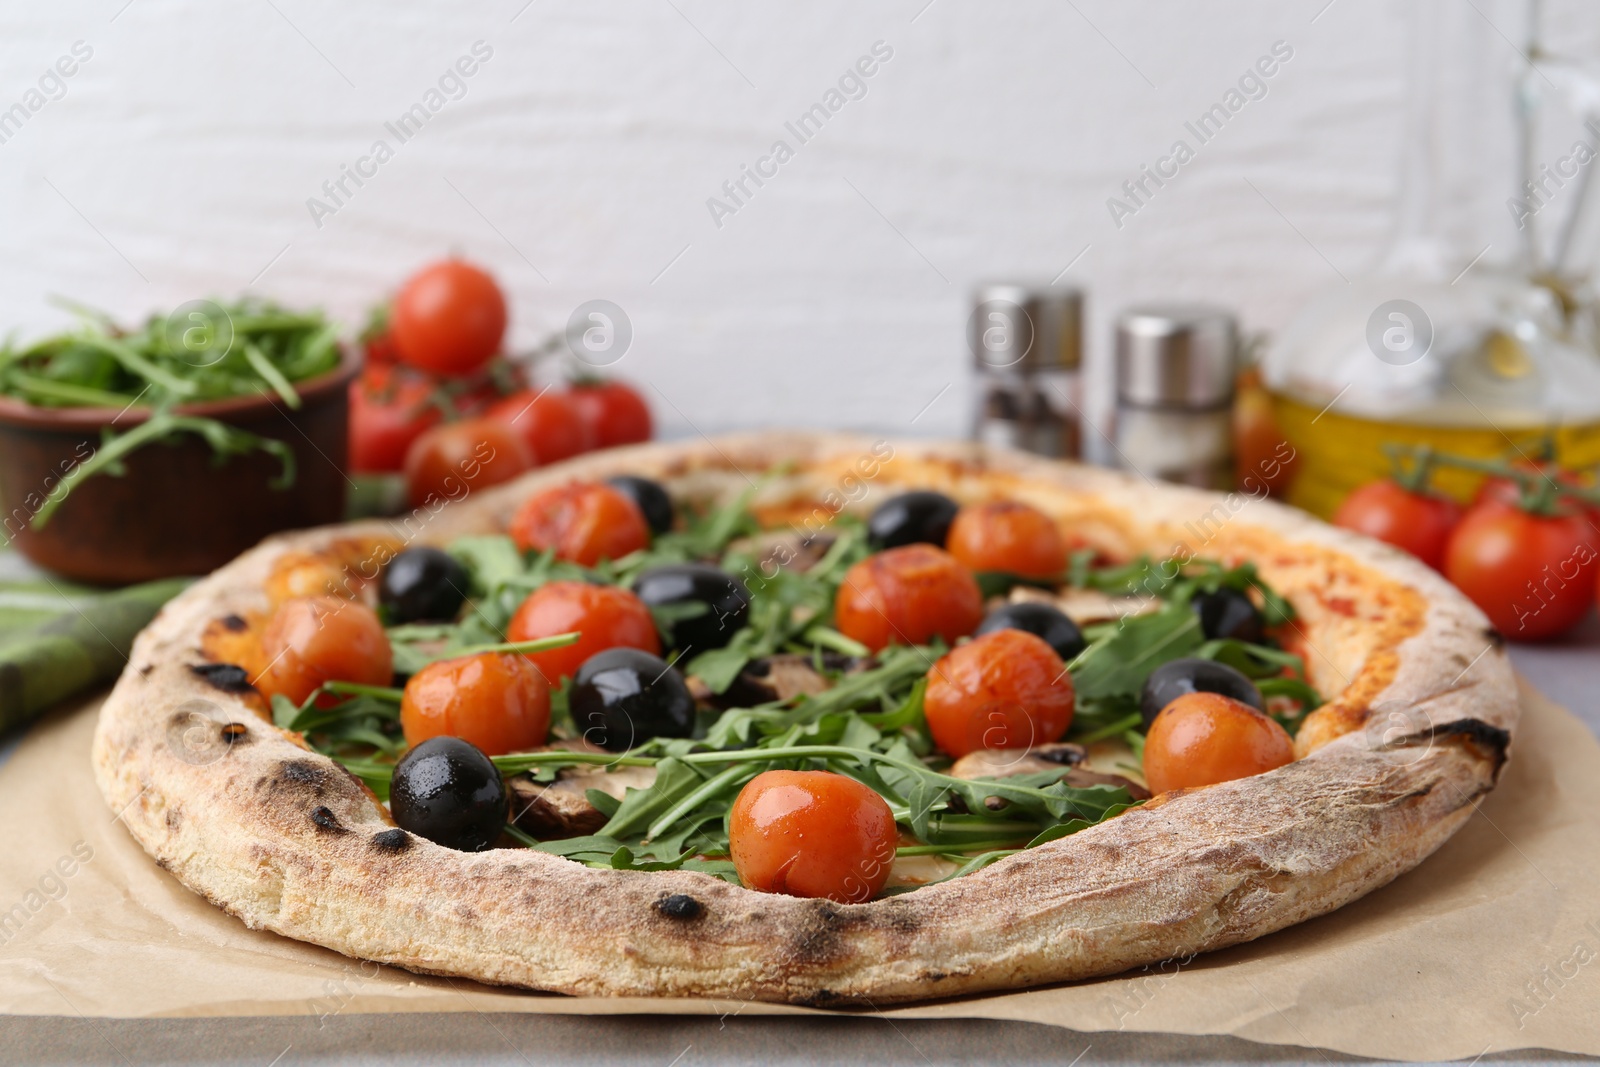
x=1175, y=378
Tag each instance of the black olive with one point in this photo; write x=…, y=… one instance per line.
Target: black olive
x=1041, y=620
x=623, y=697
x=1228, y=613
x=912, y=518
x=1176, y=677
x=682, y=585
x=651, y=498
x=422, y=585
x=449, y=792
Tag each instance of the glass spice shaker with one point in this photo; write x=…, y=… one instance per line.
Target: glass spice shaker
x=1027, y=349
x=1175, y=378
x=1056, y=429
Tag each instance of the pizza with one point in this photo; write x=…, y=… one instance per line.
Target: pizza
x=806, y=718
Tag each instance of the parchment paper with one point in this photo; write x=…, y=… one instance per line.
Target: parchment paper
x=1492, y=945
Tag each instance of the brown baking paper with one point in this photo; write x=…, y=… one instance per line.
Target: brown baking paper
x=1493, y=944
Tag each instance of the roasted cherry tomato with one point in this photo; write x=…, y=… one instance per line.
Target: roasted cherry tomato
x=652, y=498
x=422, y=585
x=1228, y=614
x=1039, y=619
x=623, y=697
x=1006, y=689
x=723, y=603
x=584, y=522
x=1192, y=674
x=316, y=639
x=499, y=702
x=390, y=407
x=1008, y=537
x=452, y=460
x=607, y=616
x=1206, y=738
x=548, y=421
x=919, y=517
x=1419, y=523
x=450, y=793
x=906, y=596
x=614, y=413
x=1534, y=576
x=812, y=834
x=449, y=318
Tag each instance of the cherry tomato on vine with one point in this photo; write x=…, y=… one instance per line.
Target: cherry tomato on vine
x=390, y=407
x=614, y=413
x=1204, y=738
x=1506, y=490
x=316, y=639
x=812, y=834
x=449, y=318
x=1533, y=575
x=497, y=702
x=1419, y=523
x=607, y=616
x=1009, y=537
x=450, y=461
x=548, y=421
x=906, y=596
x=1006, y=689
x=584, y=522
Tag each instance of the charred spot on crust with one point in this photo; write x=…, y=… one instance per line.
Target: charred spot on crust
x=822, y=998
x=391, y=841
x=1495, y=638
x=303, y=772
x=1492, y=741
x=326, y=819
x=680, y=906
x=235, y=623
x=228, y=677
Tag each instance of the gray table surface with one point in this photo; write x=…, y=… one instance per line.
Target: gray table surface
x=1567, y=671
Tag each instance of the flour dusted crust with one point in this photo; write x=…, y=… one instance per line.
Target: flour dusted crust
x=1421, y=694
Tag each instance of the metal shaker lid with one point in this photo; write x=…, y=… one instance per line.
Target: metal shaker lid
x=1176, y=355
x=1026, y=327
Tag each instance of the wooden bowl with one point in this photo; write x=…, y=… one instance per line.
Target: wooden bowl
x=177, y=509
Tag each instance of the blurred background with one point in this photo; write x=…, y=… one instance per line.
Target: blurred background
x=578, y=161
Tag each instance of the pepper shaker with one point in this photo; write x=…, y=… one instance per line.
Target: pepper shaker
x=1175, y=379
x=1027, y=346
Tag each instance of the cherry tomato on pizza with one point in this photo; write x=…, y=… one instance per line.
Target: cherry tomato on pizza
x=583, y=522
x=1008, y=537
x=1203, y=738
x=607, y=616
x=498, y=702
x=450, y=461
x=548, y=420
x=316, y=639
x=1006, y=689
x=614, y=413
x=1419, y=523
x=907, y=596
x=812, y=834
x=1533, y=575
x=449, y=318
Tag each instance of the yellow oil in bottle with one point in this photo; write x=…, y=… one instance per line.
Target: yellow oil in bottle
x=1336, y=453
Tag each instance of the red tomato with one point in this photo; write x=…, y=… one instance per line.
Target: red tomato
x=450, y=461
x=547, y=420
x=585, y=522
x=1008, y=537
x=449, y=318
x=1506, y=491
x=1206, y=738
x=812, y=834
x=607, y=616
x=379, y=348
x=1006, y=689
x=498, y=702
x=907, y=595
x=1419, y=523
x=389, y=409
x=614, y=413
x=1534, y=576
x=315, y=639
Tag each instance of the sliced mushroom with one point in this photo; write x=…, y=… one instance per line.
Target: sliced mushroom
x=561, y=808
x=1085, y=606
x=1004, y=763
x=781, y=677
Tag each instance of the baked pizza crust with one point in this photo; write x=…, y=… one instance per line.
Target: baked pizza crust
x=1422, y=702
